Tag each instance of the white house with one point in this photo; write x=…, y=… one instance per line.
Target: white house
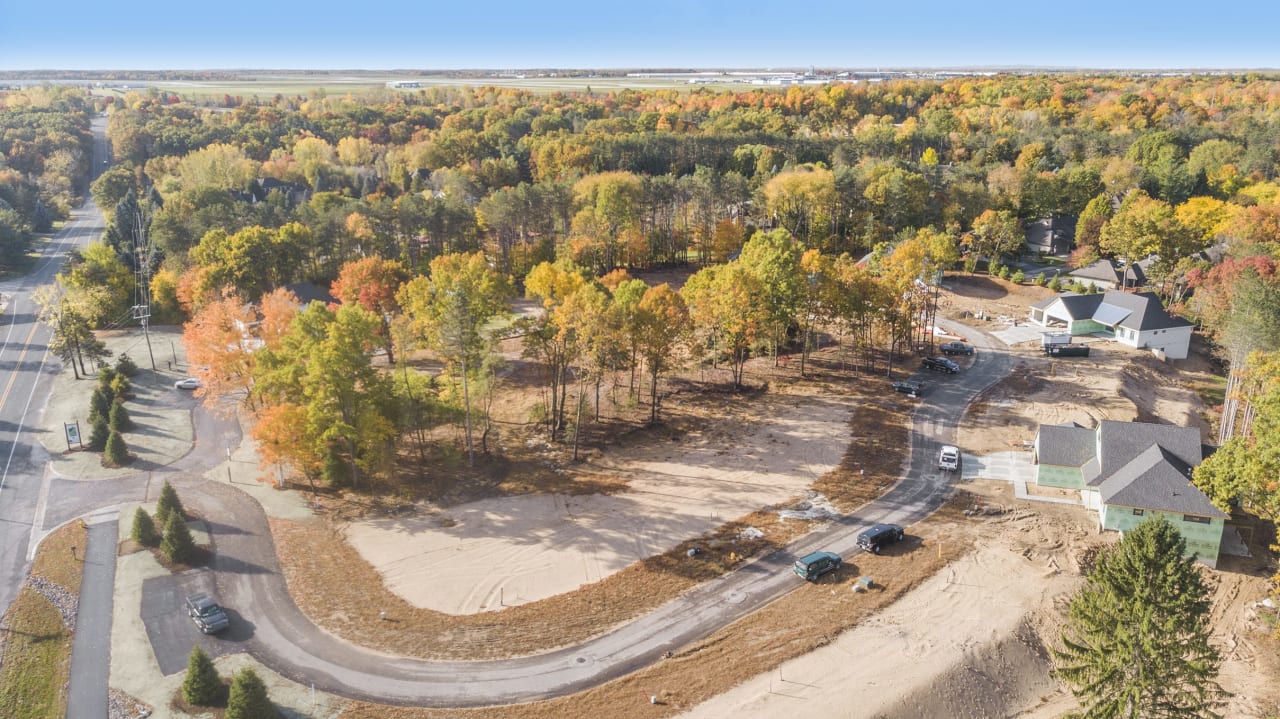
x=1134, y=319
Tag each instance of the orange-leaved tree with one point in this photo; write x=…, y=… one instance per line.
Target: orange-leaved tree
x=372, y=283
x=220, y=346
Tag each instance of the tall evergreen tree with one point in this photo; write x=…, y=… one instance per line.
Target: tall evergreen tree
x=177, y=545
x=100, y=433
x=119, y=420
x=144, y=529
x=248, y=699
x=168, y=503
x=116, y=453
x=202, y=685
x=1136, y=642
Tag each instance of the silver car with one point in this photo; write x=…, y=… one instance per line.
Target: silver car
x=206, y=613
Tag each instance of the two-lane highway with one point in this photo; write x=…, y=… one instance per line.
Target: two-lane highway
x=26, y=373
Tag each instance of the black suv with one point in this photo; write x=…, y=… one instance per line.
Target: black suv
x=956, y=348
x=881, y=535
x=940, y=364
x=906, y=386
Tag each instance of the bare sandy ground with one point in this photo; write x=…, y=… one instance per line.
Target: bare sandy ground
x=958, y=645
x=512, y=550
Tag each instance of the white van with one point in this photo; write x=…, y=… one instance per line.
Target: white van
x=949, y=458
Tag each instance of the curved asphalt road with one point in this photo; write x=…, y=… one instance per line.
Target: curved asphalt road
x=248, y=578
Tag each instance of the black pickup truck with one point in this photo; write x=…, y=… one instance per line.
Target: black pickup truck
x=956, y=348
x=940, y=364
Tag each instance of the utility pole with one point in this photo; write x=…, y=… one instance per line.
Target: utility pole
x=142, y=292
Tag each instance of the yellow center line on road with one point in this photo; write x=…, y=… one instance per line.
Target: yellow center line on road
x=13, y=374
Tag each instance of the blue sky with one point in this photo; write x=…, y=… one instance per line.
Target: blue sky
x=428, y=34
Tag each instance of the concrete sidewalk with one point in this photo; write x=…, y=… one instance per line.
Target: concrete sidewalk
x=91, y=648
x=1015, y=467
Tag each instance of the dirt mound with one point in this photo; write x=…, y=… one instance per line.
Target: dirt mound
x=999, y=678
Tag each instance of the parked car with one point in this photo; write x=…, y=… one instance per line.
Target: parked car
x=880, y=536
x=908, y=387
x=949, y=458
x=817, y=564
x=956, y=348
x=940, y=364
x=188, y=383
x=205, y=612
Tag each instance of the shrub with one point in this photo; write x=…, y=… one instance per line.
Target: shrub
x=100, y=433
x=119, y=420
x=126, y=366
x=1042, y=279
x=971, y=264
x=1004, y=272
x=168, y=503
x=144, y=529
x=248, y=699
x=1017, y=278
x=116, y=453
x=177, y=545
x=1055, y=284
x=994, y=267
x=202, y=685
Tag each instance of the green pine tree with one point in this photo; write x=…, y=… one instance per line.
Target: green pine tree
x=100, y=403
x=1018, y=277
x=116, y=453
x=248, y=699
x=126, y=366
x=119, y=419
x=100, y=434
x=202, y=685
x=144, y=529
x=1055, y=284
x=177, y=545
x=168, y=503
x=1136, y=641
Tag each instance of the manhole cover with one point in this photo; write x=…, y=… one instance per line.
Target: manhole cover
x=735, y=597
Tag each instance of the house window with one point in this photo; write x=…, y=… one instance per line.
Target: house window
x=1194, y=519
x=1139, y=512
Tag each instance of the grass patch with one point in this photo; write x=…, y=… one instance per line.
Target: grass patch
x=36, y=644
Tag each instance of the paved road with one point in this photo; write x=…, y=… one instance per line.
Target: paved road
x=91, y=649
x=26, y=372
x=248, y=579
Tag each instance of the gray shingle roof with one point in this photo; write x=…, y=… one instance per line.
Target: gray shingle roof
x=1066, y=446
x=1120, y=442
x=1146, y=312
x=1157, y=479
x=1103, y=270
x=1080, y=307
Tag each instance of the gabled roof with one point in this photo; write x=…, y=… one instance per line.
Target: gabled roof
x=1066, y=445
x=1144, y=311
x=1103, y=270
x=1160, y=480
x=1080, y=307
x=1120, y=442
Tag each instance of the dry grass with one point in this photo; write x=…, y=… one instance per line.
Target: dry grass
x=755, y=644
x=36, y=644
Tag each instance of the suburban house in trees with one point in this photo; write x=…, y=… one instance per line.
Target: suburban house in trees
x=1129, y=471
x=1051, y=235
x=1136, y=319
x=1107, y=275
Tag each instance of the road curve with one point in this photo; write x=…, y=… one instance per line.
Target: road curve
x=248, y=578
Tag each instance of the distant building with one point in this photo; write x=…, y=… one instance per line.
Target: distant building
x=1136, y=319
x=1109, y=275
x=1051, y=235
